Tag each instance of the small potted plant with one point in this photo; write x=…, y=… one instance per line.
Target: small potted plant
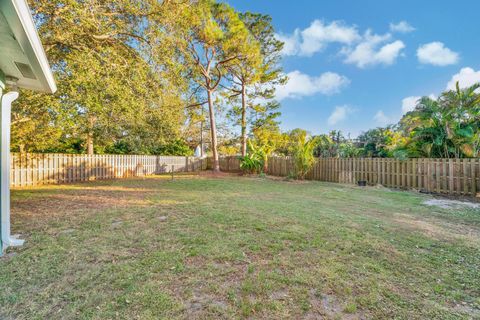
x=362, y=183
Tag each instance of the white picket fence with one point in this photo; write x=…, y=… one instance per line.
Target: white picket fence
x=31, y=169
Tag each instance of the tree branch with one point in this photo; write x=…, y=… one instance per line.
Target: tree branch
x=197, y=104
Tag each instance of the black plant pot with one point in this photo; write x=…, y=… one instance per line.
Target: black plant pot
x=362, y=183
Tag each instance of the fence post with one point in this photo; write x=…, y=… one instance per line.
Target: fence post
x=473, y=177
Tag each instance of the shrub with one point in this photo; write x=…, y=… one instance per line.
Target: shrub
x=251, y=163
x=303, y=156
x=175, y=148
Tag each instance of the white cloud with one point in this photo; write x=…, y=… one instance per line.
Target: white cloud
x=382, y=119
x=373, y=50
x=300, y=85
x=437, y=54
x=401, y=27
x=290, y=42
x=339, y=114
x=409, y=103
x=361, y=50
x=466, y=78
x=317, y=36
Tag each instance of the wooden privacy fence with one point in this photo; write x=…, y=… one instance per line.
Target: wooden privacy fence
x=35, y=169
x=227, y=164
x=446, y=176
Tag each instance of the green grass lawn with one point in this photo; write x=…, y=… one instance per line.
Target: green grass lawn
x=211, y=248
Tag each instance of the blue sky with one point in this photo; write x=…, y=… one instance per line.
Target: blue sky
x=356, y=65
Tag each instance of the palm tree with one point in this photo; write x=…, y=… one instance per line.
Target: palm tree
x=448, y=126
x=461, y=110
x=427, y=129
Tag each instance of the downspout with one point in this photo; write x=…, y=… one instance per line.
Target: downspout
x=5, y=115
x=2, y=87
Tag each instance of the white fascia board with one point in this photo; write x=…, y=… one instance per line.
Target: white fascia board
x=17, y=13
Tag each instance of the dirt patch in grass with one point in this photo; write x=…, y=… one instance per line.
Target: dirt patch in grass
x=438, y=229
x=452, y=204
x=324, y=305
x=86, y=199
x=202, y=303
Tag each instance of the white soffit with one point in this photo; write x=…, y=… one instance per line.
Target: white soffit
x=21, y=52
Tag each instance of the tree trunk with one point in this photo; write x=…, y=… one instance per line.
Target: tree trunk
x=201, y=139
x=201, y=134
x=244, y=122
x=90, y=142
x=213, y=131
x=91, y=123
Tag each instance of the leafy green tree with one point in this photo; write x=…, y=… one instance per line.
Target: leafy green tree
x=334, y=144
x=374, y=142
x=111, y=84
x=325, y=146
x=289, y=141
x=36, y=123
x=348, y=149
x=256, y=73
x=176, y=148
x=212, y=42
